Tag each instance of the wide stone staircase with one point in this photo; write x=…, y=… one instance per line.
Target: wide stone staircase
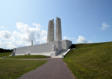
x=61, y=54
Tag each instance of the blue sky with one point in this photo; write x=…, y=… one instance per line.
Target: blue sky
x=82, y=20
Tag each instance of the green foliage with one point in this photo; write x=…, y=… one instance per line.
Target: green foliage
x=5, y=54
x=12, y=69
x=91, y=61
x=5, y=50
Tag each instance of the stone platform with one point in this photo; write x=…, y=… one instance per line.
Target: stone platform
x=48, y=49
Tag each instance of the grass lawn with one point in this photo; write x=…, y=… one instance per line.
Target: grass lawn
x=12, y=69
x=91, y=61
x=28, y=56
x=5, y=54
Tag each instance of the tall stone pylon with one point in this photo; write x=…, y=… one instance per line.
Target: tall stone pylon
x=58, y=29
x=50, y=35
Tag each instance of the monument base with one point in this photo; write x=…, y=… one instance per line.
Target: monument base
x=54, y=48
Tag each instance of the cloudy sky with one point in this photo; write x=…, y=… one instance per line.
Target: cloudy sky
x=83, y=21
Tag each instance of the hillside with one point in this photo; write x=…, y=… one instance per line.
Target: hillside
x=91, y=61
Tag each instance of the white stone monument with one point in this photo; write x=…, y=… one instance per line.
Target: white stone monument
x=55, y=46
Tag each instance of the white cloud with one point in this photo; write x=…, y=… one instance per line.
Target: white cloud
x=5, y=34
x=3, y=26
x=82, y=39
x=66, y=38
x=69, y=38
x=79, y=39
x=105, y=26
x=22, y=36
x=37, y=25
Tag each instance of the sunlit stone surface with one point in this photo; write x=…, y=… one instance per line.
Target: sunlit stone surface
x=53, y=47
x=50, y=36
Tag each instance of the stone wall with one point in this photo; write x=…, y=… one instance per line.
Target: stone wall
x=44, y=49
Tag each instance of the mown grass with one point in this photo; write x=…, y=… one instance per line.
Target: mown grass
x=12, y=69
x=5, y=54
x=91, y=61
x=28, y=56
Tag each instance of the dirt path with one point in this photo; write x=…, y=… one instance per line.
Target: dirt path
x=53, y=69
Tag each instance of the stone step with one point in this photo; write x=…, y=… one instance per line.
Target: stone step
x=57, y=56
x=61, y=55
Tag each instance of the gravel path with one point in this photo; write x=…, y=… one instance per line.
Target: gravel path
x=53, y=69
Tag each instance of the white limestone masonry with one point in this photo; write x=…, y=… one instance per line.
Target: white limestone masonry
x=58, y=29
x=50, y=36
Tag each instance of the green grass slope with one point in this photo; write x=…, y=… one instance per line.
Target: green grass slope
x=4, y=54
x=91, y=61
x=12, y=69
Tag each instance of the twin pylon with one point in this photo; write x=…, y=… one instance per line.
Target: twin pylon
x=52, y=33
